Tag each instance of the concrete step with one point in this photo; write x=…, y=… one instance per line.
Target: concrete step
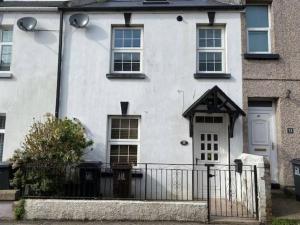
x=6, y=210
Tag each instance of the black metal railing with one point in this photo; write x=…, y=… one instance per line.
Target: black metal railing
x=228, y=191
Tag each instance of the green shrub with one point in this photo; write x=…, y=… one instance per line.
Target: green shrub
x=19, y=210
x=50, y=144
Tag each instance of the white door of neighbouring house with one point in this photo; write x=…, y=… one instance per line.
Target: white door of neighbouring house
x=262, y=136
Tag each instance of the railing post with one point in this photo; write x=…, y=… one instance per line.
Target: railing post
x=208, y=189
x=146, y=167
x=256, y=191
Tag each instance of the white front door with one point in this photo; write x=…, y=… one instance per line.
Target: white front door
x=262, y=139
x=210, y=139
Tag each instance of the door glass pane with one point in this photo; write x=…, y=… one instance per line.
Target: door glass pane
x=258, y=41
x=257, y=16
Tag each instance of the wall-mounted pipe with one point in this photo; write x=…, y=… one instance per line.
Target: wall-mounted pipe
x=59, y=62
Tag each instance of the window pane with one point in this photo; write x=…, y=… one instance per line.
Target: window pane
x=258, y=41
x=136, y=43
x=208, y=147
x=202, y=43
x=124, y=123
x=202, y=137
x=134, y=123
x=132, y=149
x=128, y=33
x=209, y=156
x=123, y=149
x=127, y=43
x=135, y=57
x=218, y=67
x=210, y=67
x=127, y=67
x=124, y=134
x=210, y=33
x=6, y=36
x=119, y=43
x=257, y=16
x=209, y=137
x=215, y=137
x=133, y=134
x=137, y=34
x=218, y=33
x=202, y=67
x=115, y=123
x=202, y=156
x=133, y=159
x=2, y=122
x=202, y=33
x=216, y=147
x=123, y=159
x=202, y=147
x=115, y=134
x=114, y=150
x=118, y=67
x=216, y=157
x=114, y=159
x=119, y=33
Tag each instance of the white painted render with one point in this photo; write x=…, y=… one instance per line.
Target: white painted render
x=86, y=93
x=30, y=93
x=169, y=64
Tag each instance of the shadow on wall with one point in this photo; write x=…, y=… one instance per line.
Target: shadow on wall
x=47, y=39
x=97, y=34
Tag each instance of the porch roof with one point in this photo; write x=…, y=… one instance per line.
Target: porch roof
x=215, y=101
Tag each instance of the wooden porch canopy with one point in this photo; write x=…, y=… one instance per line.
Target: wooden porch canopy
x=214, y=101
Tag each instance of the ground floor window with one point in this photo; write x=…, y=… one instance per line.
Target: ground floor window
x=123, y=139
x=2, y=132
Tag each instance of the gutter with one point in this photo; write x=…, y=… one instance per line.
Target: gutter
x=31, y=9
x=59, y=62
x=155, y=8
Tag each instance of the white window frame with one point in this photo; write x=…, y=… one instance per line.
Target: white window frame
x=123, y=141
x=127, y=50
x=268, y=29
x=2, y=131
x=6, y=43
x=221, y=49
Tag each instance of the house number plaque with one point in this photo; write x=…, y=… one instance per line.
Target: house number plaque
x=290, y=130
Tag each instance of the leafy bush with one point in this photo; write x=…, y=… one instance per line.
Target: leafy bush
x=49, y=144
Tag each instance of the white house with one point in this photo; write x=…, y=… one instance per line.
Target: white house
x=160, y=60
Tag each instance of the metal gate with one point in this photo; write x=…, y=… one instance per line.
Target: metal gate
x=230, y=190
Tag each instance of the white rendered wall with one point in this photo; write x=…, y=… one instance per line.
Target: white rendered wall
x=30, y=93
x=169, y=64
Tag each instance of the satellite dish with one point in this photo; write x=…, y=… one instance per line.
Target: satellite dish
x=27, y=23
x=79, y=20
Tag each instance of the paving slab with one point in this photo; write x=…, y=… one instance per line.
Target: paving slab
x=6, y=210
x=285, y=206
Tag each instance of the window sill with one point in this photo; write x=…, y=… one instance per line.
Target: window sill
x=125, y=76
x=212, y=75
x=5, y=75
x=267, y=56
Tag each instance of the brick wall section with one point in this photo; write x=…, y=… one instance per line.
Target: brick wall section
x=272, y=79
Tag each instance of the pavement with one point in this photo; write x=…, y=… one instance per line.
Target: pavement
x=285, y=206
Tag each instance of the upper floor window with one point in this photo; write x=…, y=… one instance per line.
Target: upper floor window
x=5, y=48
x=258, y=28
x=127, y=50
x=123, y=139
x=210, y=50
x=2, y=132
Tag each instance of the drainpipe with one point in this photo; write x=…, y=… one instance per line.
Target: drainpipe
x=59, y=63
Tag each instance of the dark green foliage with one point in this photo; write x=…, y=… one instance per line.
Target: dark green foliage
x=19, y=210
x=50, y=144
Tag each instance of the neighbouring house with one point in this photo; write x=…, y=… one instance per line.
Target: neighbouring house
x=157, y=84
x=271, y=84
